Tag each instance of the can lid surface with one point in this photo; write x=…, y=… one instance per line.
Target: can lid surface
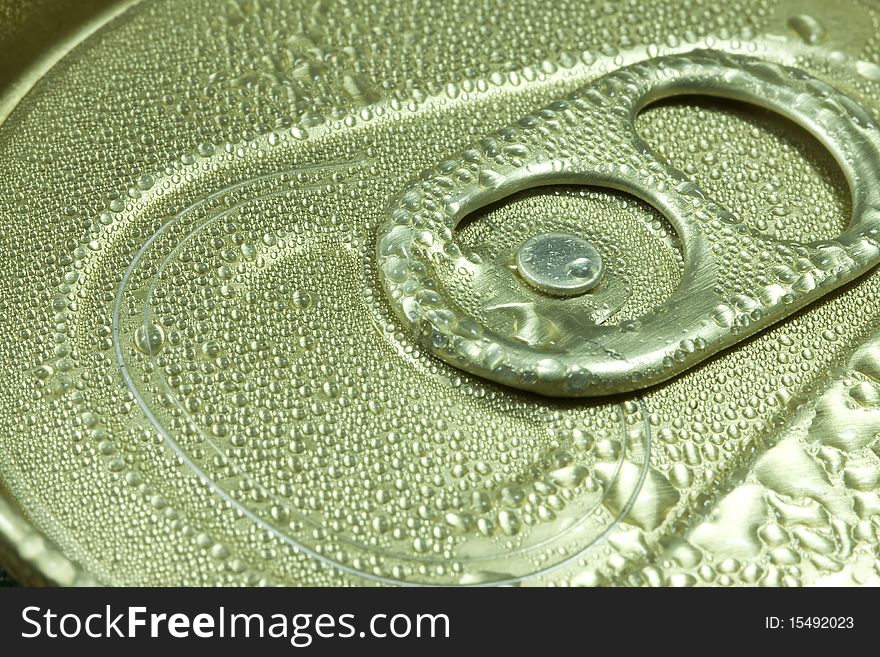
x=235, y=238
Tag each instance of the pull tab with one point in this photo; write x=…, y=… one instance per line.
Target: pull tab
x=589, y=139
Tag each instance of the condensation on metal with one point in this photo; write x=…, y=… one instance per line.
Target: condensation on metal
x=596, y=144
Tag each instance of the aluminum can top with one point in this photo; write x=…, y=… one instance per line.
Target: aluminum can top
x=455, y=293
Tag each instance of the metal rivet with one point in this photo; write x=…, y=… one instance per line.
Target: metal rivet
x=559, y=264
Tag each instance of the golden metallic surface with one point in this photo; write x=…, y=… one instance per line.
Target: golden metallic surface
x=35, y=34
x=589, y=138
x=205, y=382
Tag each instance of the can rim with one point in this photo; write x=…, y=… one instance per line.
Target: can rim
x=26, y=552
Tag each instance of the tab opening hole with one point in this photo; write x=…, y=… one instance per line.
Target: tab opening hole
x=767, y=170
